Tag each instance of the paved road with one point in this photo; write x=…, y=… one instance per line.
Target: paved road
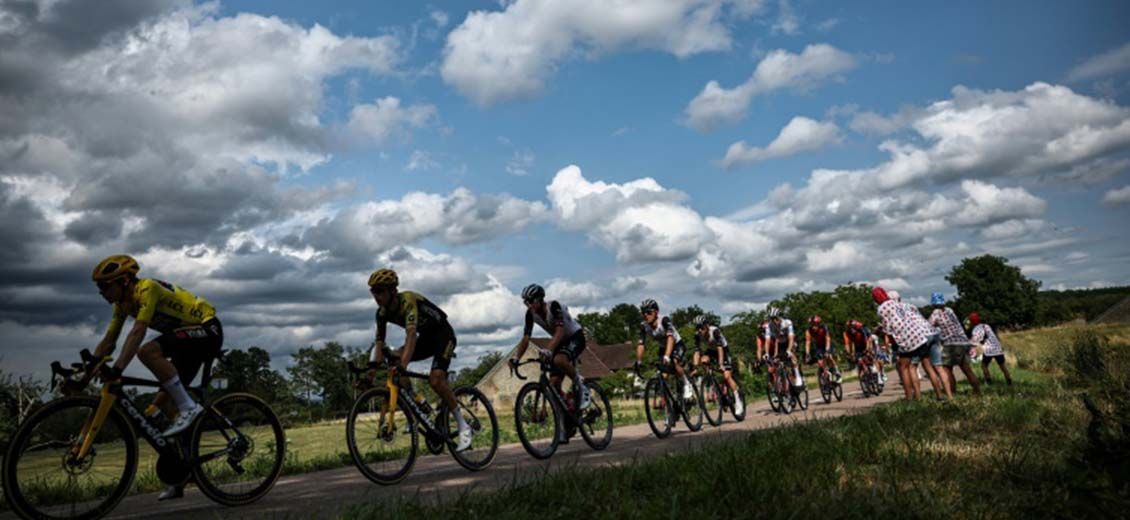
x=323, y=494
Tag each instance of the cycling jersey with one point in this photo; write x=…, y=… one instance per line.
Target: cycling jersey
x=903, y=322
x=945, y=320
x=819, y=336
x=714, y=340
x=780, y=331
x=857, y=337
x=164, y=306
x=660, y=333
x=983, y=335
x=558, y=316
x=412, y=309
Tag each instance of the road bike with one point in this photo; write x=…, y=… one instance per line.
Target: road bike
x=663, y=406
x=385, y=453
x=829, y=386
x=869, y=381
x=784, y=397
x=717, y=397
x=76, y=457
x=545, y=418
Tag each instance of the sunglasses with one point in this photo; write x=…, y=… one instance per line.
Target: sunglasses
x=103, y=286
x=529, y=301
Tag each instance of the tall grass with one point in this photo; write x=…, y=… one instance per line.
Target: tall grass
x=1052, y=445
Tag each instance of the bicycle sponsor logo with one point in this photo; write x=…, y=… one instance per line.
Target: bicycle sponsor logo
x=141, y=420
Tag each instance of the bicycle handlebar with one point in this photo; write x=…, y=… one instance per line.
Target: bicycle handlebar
x=515, y=370
x=88, y=367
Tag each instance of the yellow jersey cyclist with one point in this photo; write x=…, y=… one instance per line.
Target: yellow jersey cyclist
x=671, y=346
x=190, y=332
x=565, y=346
x=427, y=334
x=717, y=349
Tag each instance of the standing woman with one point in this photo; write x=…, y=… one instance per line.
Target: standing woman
x=991, y=349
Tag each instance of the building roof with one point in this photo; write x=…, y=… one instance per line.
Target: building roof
x=596, y=361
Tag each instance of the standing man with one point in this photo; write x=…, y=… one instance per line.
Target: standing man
x=955, y=345
x=915, y=337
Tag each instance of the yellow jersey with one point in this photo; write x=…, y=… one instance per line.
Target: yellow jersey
x=164, y=306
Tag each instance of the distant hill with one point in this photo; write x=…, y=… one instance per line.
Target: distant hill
x=1061, y=306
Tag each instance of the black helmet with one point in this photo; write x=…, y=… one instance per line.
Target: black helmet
x=649, y=305
x=533, y=292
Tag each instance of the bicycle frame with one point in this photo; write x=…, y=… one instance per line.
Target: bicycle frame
x=544, y=382
x=388, y=414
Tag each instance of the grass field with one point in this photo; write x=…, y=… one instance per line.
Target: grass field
x=1030, y=450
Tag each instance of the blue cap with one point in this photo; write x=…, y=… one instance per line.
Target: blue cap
x=937, y=299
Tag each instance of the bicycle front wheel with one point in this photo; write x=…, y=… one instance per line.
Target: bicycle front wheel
x=825, y=387
x=712, y=400
x=537, y=421
x=596, y=420
x=479, y=414
x=42, y=478
x=692, y=410
x=657, y=406
x=238, y=447
x=377, y=442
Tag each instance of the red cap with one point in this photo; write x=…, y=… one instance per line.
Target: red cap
x=974, y=318
x=879, y=295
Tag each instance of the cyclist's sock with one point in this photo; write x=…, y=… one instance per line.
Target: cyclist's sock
x=459, y=420
x=179, y=394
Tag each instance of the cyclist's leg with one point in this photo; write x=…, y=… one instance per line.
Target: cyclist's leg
x=176, y=357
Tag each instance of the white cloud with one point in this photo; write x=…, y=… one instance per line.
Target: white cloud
x=488, y=310
x=842, y=255
x=639, y=220
x=438, y=17
x=715, y=105
x=801, y=134
x=386, y=118
x=988, y=203
x=499, y=55
x=827, y=25
x=421, y=160
x=1117, y=197
x=1015, y=228
x=787, y=20
x=1109, y=63
x=520, y=163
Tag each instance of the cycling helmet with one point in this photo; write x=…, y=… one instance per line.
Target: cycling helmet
x=937, y=299
x=879, y=295
x=385, y=277
x=774, y=313
x=533, y=292
x=649, y=305
x=114, y=267
x=701, y=321
x=855, y=324
x=815, y=320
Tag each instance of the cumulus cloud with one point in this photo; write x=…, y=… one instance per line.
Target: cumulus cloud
x=715, y=105
x=386, y=119
x=493, y=56
x=1109, y=63
x=801, y=134
x=1117, y=197
x=639, y=220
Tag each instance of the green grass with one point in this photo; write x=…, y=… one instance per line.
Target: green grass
x=1030, y=450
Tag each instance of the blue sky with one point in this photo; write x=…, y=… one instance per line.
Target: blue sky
x=715, y=152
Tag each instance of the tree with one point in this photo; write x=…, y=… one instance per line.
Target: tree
x=250, y=371
x=846, y=302
x=470, y=376
x=999, y=292
x=617, y=326
x=321, y=372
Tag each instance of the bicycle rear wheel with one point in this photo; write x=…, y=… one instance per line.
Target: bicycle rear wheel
x=384, y=455
x=825, y=387
x=537, y=420
x=239, y=447
x=712, y=400
x=771, y=394
x=479, y=414
x=42, y=480
x=658, y=408
x=596, y=420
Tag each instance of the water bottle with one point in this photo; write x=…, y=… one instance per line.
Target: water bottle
x=425, y=408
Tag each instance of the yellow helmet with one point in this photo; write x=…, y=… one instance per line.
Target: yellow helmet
x=114, y=267
x=384, y=277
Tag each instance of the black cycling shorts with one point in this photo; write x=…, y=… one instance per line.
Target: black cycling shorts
x=676, y=353
x=438, y=345
x=188, y=348
x=572, y=346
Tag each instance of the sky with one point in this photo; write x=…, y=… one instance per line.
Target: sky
x=268, y=156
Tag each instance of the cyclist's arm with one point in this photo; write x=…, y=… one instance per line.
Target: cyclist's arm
x=527, y=330
x=523, y=344
x=640, y=345
x=409, y=346
x=792, y=344
x=558, y=337
x=109, y=341
x=807, y=343
x=378, y=354
x=827, y=340
x=557, y=315
x=132, y=344
x=670, y=346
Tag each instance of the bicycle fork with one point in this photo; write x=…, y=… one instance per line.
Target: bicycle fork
x=94, y=423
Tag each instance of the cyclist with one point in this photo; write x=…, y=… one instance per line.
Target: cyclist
x=190, y=336
x=858, y=340
x=915, y=337
x=762, y=344
x=671, y=346
x=955, y=345
x=780, y=334
x=991, y=349
x=818, y=333
x=706, y=332
x=565, y=346
x=427, y=334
